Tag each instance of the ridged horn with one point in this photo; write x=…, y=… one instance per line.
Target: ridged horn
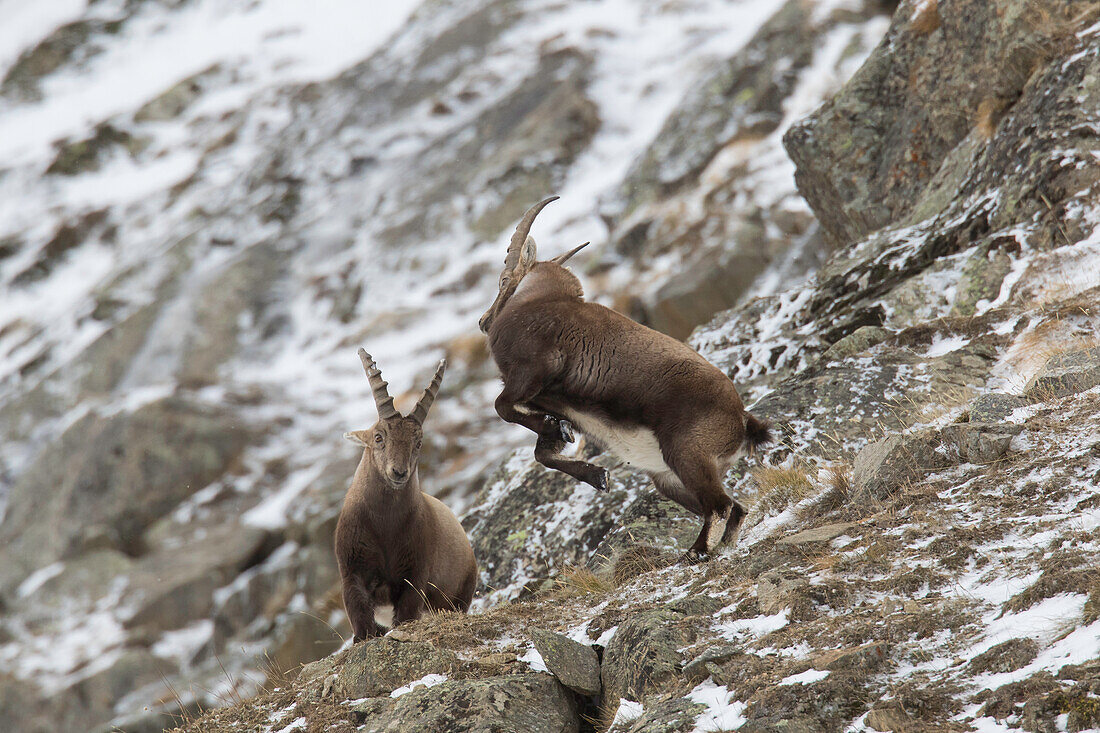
x=522, y=230
x=379, y=386
x=562, y=259
x=421, y=410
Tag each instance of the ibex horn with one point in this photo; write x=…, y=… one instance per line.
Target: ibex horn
x=522, y=230
x=561, y=259
x=421, y=410
x=382, y=397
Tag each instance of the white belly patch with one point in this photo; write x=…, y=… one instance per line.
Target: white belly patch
x=637, y=447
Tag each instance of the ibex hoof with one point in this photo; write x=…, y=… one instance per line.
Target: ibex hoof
x=556, y=429
x=693, y=557
x=566, y=431
x=599, y=481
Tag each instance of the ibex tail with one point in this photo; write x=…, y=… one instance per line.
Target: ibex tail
x=757, y=432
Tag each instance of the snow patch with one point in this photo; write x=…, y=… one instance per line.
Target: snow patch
x=808, y=677
x=534, y=660
x=428, y=680
x=627, y=711
x=722, y=713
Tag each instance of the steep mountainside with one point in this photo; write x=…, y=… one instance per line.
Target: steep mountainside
x=882, y=222
x=206, y=206
x=921, y=553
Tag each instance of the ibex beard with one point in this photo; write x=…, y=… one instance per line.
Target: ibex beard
x=644, y=396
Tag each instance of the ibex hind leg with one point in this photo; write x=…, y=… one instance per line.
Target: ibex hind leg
x=703, y=485
x=733, y=526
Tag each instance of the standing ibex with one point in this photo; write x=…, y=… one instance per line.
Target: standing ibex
x=648, y=398
x=395, y=545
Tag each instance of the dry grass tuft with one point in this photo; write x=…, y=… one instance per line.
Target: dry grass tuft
x=638, y=560
x=989, y=114
x=927, y=18
x=838, y=490
x=1061, y=27
x=576, y=581
x=1062, y=330
x=781, y=487
x=602, y=722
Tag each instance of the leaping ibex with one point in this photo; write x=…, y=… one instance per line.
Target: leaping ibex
x=395, y=545
x=646, y=397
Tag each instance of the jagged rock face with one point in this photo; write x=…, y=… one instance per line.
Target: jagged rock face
x=1016, y=188
x=705, y=195
x=530, y=522
x=192, y=261
x=643, y=656
x=944, y=77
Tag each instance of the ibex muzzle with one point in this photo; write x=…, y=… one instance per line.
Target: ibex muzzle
x=646, y=397
x=395, y=545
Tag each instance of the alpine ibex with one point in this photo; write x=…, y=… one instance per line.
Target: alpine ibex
x=395, y=545
x=646, y=397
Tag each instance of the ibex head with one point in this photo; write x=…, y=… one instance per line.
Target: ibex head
x=393, y=443
x=521, y=260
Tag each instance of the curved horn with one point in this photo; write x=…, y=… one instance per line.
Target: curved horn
x=382, y=397
x=561, y=259
x=522, y=230
x=421, y=410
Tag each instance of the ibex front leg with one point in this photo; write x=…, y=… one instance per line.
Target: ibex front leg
x=409, y=600
x=548, y=453
x=546, y=426
x=359, y=606
x=553, y=432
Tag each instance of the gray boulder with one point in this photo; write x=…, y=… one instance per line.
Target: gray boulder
x=672, y=715
x=809, y=539
x=977, y=442
x=1065, y=374
x=994, y=407
x=887, y=466
x=856, y=342
x=643, y=656
x=378, y=666
x=575, y=665
x=526, y=703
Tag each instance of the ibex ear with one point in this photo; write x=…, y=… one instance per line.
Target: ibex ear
x=358, y=436
x=527, y=255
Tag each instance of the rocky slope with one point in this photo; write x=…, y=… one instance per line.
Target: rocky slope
x=206, y=206
x=921, y=550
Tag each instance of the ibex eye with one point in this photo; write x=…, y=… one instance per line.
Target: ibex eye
x=378, y=439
